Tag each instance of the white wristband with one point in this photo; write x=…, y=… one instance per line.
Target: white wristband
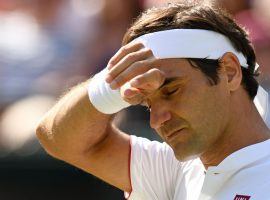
x=103, y=98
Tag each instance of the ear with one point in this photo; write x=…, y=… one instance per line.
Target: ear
x=232, y=69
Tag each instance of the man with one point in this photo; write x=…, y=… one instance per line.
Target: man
x=194, y=67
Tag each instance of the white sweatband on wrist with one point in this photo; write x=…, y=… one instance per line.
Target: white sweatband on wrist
x=103, y=98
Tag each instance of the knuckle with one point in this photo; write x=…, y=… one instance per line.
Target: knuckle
x=148, y=52
x=152, y=61
x=138, y=55
x=141, y=66
x=157, y=73
x=139, y=45
x=140, y=78
x=114, y=71
x=131, y=56
x=136, y=66
x=154, y=71
x=148, y=65
x=111, y=74
x=112, y=61
x=123, y=50
x=120, y=80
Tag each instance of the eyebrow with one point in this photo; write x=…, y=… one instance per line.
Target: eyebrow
x=168, y=81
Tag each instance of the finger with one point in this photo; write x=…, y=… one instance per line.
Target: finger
x=133, y=96
x=151, y=80
x=131, y=92
x=132, y=71
x=123, y=51
x=125, y=62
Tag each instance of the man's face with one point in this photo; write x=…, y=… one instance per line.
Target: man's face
x=187, y=112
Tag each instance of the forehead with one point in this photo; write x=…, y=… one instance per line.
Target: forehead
x=178, y=73
x=175, y=67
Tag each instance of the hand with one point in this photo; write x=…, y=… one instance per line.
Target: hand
x=133, y=70
x=142, y=86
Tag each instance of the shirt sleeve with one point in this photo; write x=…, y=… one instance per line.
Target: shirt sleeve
x=154, y=170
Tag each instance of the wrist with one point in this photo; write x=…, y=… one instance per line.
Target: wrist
x=102, y=97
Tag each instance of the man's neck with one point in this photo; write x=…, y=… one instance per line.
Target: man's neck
x=245, y=128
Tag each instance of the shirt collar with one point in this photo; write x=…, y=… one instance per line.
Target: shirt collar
x=243, y=157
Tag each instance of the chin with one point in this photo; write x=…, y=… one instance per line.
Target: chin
x=184, y=158
x=185, y=154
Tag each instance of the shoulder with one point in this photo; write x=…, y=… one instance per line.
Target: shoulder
x=155, y=173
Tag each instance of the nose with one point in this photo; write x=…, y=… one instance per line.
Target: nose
x=158, y=116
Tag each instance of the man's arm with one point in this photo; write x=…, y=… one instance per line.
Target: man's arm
x=74, y=131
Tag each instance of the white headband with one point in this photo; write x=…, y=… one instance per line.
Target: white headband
x=194, y=43
x=198, y=43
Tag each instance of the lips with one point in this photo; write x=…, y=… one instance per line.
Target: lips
x=172, y=134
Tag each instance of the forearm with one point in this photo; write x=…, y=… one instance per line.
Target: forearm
x=73, y=126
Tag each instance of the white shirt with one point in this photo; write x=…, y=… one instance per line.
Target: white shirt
x=157, y=175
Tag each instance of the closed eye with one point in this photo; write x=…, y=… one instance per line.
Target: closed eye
x=169, y=91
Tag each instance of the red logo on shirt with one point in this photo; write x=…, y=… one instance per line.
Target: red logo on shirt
x=241, y=197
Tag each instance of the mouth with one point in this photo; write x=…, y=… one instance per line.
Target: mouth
x=174, y=134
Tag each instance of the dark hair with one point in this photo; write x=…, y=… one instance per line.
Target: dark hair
x=200, y=16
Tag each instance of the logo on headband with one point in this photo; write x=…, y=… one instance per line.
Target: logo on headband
x=241, y=197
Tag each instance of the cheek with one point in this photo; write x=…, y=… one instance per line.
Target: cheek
x=204, y=122
x=205, y=109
